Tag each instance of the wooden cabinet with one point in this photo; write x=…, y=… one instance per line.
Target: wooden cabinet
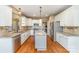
x=68, y=41
x=24, y=36
x=5, y=16
x=23, y=21
x=32, y=32
x=73, y=44
x=75, y=14
x=29, y=22
x=69, y=17
x=26, y=21
x=17, y=42
x=62, y=39
x=58, y=17
x=9, y=44
x=37, y=21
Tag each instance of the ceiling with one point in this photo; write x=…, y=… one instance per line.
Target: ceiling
x=47, y=10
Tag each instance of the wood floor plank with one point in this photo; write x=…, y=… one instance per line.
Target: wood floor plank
x=52, y=47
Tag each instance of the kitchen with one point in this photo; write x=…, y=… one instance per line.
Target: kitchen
x=15, y=32
x=16, y=28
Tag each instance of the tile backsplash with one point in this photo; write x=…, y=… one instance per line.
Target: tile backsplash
x=6, y=28
x=71, y=30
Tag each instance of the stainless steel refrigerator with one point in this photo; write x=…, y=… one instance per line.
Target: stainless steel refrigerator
x=55, y=27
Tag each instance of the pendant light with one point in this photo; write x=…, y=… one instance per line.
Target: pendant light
x=19, y=11
x=40, y=11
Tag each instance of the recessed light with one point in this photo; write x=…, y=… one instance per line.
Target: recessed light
x=30, y=18
x=34, y=15
x=46, y=15
x=40, y=19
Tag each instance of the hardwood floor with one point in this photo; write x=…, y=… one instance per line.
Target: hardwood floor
x=52, y=47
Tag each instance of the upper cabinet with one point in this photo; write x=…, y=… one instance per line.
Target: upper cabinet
x=58, y=17
x=75, y=15
x=37, y=21
x=69, y=17
x=5, y=16
x=23, y=21
x=26, y=21
x=29, y=23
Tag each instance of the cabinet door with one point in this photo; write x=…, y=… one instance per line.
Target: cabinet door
x=70, y=17
x=5, y=16
x=65, y=42
x=75, y=15
x=67, y=18
x=29, y=22
x=23, y=21
x=73, y=44
x=40, y=42
x=17, y=43
x=57, y=17
x=22, y=38
x=61, y=39
x=32, y=32
x=57, y=37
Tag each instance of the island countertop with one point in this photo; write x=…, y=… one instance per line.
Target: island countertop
x=40, y=32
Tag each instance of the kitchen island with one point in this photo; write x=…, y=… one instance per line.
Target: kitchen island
x=10, y=43
x=40, y=40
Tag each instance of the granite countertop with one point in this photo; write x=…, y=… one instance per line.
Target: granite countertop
x=10, y=35
x=40, y=33
x=15, y=34
x=69, y=34
x=23, y=31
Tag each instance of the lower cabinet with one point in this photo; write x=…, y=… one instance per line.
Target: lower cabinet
x=17, y=42
x=10, y=44
x=62, y=39
x=32, y=32
x=40, y=42
x=24, y=36
x=64, y=42
x=71, y=43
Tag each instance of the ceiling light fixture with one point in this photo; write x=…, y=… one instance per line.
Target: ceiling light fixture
x=19, y=11
x=34, y=15
x=46, y=15
x=40, y=11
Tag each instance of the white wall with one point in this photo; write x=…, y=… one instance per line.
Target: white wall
x=51, y=19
